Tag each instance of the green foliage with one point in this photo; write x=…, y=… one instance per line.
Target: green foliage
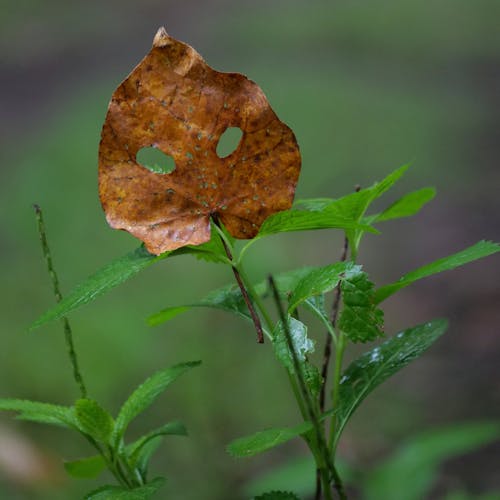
x=470, y=254
x=302, y=220
x=86, y=468
x=374, y=367
x=410, y=204
x=101, y=282
x=320, y=281
x=265, y=440
x=44, y=413
x=145, y=395
x=230, y=299
x=94, y=420
x=119, y=493
x=135, y=451
x=302, y=344
x=360, y=320
x=416, y=463
x=356, y=319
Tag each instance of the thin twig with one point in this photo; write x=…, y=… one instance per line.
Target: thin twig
x=57, y=292
x=327, y=352
x=244, y=292
x=306, y=394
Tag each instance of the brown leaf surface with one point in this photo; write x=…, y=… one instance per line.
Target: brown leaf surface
x=175, y=102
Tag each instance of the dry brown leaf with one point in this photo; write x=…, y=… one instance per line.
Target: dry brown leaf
x=175, y=102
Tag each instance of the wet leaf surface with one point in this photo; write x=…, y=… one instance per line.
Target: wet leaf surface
x=374, y=367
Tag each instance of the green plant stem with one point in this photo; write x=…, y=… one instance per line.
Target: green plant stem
x=320, y=452
x=339, y=354
x=68, y=335
x=120, y=477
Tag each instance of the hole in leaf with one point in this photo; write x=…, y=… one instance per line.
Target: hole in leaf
x=229, y=141
x=155, y=160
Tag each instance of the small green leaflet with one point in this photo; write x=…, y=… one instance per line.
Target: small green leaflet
x=374, y=367
x=44, y=413
x=417, y=462
x=303, y=345
x=319, y=281
x=302, y=220
x=172, y=428
x=146, y=394
x=265, y=440
x=85, y=468
x=229, y=298
x=408, y=205
x=145, y=453
x=353, y=206
x=470, y=254
x=118, y=493
x=360, y=320
x=102, y=281
x=94, y=420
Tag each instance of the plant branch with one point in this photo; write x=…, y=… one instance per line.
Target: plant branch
x=327, y=352
x=244, y=292
x=311, y=413
x=57, y=292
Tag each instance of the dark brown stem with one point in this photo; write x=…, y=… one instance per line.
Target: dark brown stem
x=244, y=292
x=327, y=352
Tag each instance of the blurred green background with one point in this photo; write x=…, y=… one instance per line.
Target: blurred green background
x=366, y=86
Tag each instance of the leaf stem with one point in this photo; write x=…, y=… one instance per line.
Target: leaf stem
x=339, y=354
x=68, y=335
x=321, y=453
x=246, y=297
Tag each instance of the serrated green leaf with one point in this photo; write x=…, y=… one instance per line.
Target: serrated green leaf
x=302, y=220
x=102, y=281
x=303, y=345
x=470, y=254
x=94, y=420
x=319, y=281
x=374, y=367
x=146, y=394
x=408, y=205
x=172, y=428
x=109, y=492
x=277, y=495
x=418, y=460
x=360, y=319
x=44, y=413
x=265, y=440
x=85, y=468
x=229, y=298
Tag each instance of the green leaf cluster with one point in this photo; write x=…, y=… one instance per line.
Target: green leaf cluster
x=129, y=463
x=355, y=317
